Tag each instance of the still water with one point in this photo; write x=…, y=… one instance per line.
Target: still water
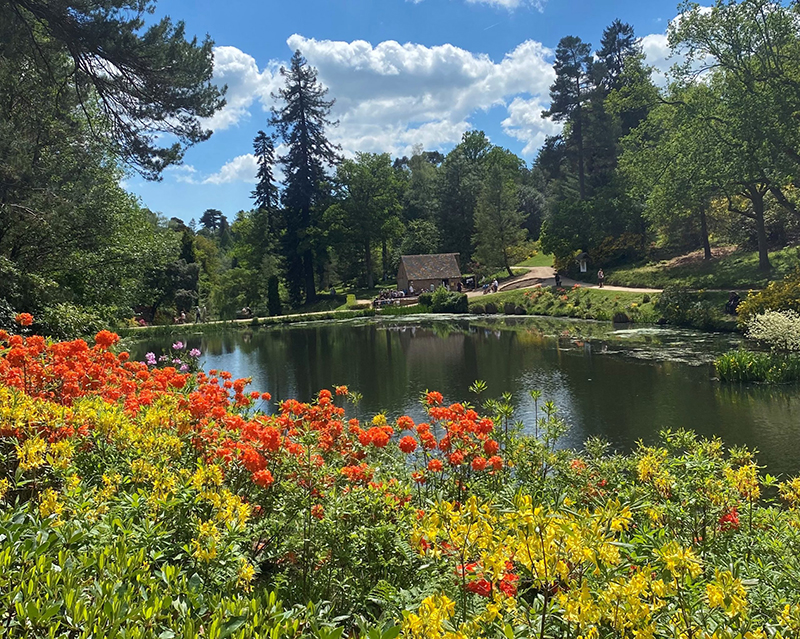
x=623, y=384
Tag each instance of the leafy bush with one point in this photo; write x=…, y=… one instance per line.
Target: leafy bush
x=621, y=318
x=68, y=321
x=681, y=307
x=509, y=308
x=780, y=330
x=444, y=301
x=783, y=295
x=749, y=366
x=478, y=309
x=490, y=308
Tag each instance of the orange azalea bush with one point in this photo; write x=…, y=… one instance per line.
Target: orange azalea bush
x=129, y=492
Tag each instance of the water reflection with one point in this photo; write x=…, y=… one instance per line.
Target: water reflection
x=616, y=382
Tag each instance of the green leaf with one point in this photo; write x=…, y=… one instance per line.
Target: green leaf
x=232, y=625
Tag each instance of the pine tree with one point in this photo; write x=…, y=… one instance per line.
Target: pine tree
x=617, y=45
x=569, y=93
x=301, y=123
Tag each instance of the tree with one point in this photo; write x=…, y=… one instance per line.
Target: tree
x=265, y=195
x=129, y=83
x=460, y=179
x=569, y=93
x=617, y=45
x=367, y=199
x=301, y=122
x=498, y=222
x=213, y=220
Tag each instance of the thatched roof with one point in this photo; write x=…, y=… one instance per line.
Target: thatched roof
x=442, y=266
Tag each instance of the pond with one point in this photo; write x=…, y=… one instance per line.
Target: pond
x=617, y=382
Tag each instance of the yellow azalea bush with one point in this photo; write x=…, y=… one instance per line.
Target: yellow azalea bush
x=139, y=502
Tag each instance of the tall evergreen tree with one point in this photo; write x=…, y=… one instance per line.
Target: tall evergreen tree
x=570, y=91
x=265, y=195
x=301, y=122
x=617, y=45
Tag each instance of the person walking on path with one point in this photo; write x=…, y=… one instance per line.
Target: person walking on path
x=558, y=279
x=196, y=314
x=601, y=277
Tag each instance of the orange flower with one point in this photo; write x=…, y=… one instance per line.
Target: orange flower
x=408, y=444
x=106, y=339
x=435, y=466
x=479, y=463
x=263, y=478
x=317, y=511
x=496, y=462
x=24, y=319
x=434, y=398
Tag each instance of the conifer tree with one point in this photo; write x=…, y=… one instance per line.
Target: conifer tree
x=301, y=122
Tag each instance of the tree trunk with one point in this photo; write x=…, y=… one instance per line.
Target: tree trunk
x=368, y=263
x=310, y=286
x=385, y=258
x=704, y=233
x=757, y=198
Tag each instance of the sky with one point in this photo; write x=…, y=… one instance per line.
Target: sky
x=404, y=73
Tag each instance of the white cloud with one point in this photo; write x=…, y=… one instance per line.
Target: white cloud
x=242, y=168
x=391, y=96
x=239, y=71
x=658, y=55
x=525, y=123
x=185, y=173
x=510, y=5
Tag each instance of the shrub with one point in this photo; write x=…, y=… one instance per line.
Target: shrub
x=351, y=300
x=645, y=298
x=491, y=308
x=509, y=308
x=520, y=310
x=68, y=321
x=783, y=295
x=478, y=309
x=444, y=301
x=780, y=330
x=681, y=307
x=621, y=318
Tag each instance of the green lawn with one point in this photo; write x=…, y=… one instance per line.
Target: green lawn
x=739, y=270
x=539, y=259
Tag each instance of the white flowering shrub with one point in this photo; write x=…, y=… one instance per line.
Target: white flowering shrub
x=780, y=330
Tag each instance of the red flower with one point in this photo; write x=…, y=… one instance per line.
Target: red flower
x=24, y=319
x=480, y=587
x=317, y=511
x=106, y=339
x=434, y=398
x=263, y=478
x=457, y=458
x=435, y=466
x=496, y=462
x=729, y=520
x=479, y=463
x=342, y=390
x=408, y=444
x=491, y=447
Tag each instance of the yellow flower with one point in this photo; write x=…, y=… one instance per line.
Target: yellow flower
x=790, y=491
x=50, y=505
x=244, y=575
x=679, y=561
x=60, y=454
x=5, y=485
x=745, y=480
x=379, y=420
x=727, y=592
x=206, y=542
x=31, y=454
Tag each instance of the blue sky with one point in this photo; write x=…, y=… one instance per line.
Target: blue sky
x=404, y=73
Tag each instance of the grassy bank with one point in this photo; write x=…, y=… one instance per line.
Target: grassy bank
x=734, y=270
x=593, y=304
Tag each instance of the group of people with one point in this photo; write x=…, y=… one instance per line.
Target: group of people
x=387, y=297
x=199, y=316
x=490, y=288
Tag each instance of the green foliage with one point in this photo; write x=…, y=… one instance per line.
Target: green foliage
x=68, y=321
x=682, y=307
x=750, y=366
x=444, y=301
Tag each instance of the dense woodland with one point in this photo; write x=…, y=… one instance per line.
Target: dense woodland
x=640, y=169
